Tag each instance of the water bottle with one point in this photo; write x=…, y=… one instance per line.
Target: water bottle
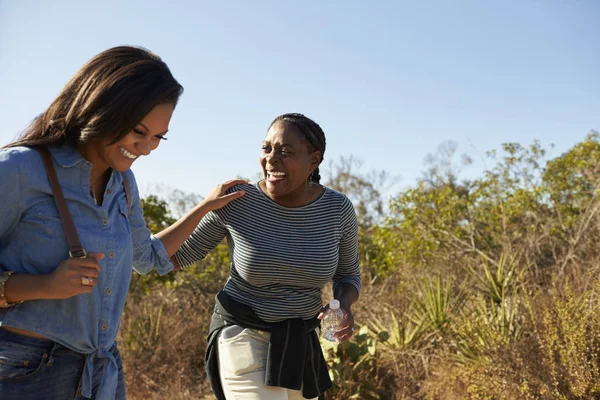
x=332, y=320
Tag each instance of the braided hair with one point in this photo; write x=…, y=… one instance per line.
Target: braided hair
x=311, y=131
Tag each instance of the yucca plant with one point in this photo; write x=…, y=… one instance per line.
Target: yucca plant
x=398, y=334
x=489, y=326
x=435, y=304
x=493, y=316
x=500, y=284
x=503, y=318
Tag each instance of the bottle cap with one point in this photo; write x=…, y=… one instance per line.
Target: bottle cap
x=334, y=304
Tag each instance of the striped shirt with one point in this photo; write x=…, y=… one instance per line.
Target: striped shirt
x=281, y=257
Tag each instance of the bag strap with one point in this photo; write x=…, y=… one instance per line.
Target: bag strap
x=75, y=248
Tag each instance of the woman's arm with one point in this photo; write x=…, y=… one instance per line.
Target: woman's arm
x=175, y=235
x=155, y=252
x=346, y=280
x=347, y=295
x=64, y=282
x=207, y=235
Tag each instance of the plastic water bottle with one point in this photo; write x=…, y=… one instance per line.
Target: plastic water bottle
x=332, y=320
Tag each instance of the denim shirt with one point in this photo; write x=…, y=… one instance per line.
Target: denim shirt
x=32, y=241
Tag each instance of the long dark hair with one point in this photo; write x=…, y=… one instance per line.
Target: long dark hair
x=311, y=131
x=106, y=98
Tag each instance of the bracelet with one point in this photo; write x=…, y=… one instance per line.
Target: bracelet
x=3, y=302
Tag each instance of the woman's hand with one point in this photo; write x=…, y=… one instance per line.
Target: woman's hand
x=346, y=328
x=218, y=198
x=74, y=276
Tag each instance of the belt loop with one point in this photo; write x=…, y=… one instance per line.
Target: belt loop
x=51, y=357
x=50, y=361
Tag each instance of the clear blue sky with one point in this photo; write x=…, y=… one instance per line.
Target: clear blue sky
x=387, y=80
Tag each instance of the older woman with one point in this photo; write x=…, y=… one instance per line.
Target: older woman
x=288, y=236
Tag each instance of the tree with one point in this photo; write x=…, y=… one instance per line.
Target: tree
x=156, y=213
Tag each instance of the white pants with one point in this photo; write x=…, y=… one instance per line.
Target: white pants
x=242, y=366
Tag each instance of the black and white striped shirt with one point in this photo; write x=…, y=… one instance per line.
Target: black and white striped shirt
x=281, y=257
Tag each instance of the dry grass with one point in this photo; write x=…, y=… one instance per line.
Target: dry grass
x=163, y=339
x=555, y=357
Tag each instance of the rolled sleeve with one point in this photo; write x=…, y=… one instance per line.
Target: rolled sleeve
x=163, y=262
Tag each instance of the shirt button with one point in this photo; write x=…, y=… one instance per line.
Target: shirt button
x=104, y=222
x=108, y=191
x=111, y=254
x=104, y=327
x=108, y=291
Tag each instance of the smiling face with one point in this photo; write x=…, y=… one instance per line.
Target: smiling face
x=141, y=141
x=287, y=161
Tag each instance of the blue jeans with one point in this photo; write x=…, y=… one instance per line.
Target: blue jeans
x=36, y=369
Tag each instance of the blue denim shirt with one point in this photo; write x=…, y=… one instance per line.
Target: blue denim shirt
x=32, y=242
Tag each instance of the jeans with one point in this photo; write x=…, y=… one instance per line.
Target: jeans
x=242, y=364
x=36, y=369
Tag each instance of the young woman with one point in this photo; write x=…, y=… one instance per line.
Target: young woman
x=60, y=311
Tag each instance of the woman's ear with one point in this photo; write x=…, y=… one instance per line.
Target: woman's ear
x=315, y=159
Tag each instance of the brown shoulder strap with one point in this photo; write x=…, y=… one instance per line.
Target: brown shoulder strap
x=75, y=247
x=127, y=192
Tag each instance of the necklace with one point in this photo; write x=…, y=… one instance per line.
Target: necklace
x=93, y=194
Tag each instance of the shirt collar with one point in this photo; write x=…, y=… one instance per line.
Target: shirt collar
x=66, y=155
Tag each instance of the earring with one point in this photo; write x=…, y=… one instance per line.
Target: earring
x=310, y=181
